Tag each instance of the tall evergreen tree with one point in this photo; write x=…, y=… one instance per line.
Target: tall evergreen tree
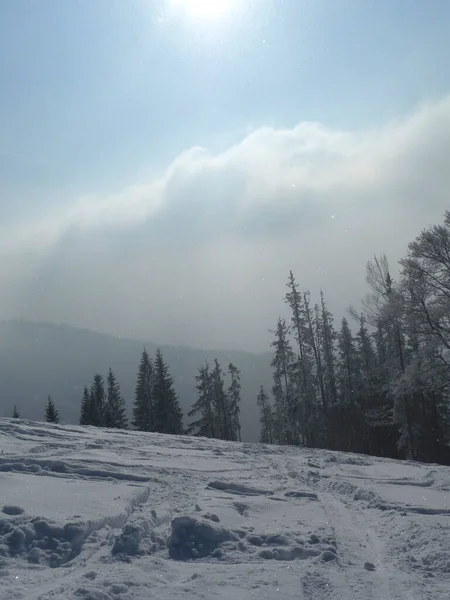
x=16, y=413
x=85, y=416
x=304, y=389
x=143, y=410
x=348, y=366
x=115, y=409
x=313, y=330
x=283, y=388
x=328, y=336
x=206, y=424
x=234, y=396
x=221, y=403
x=51, y=412
x=97, y=401
x=167, y=411
x=266, y=417
x=347, y=414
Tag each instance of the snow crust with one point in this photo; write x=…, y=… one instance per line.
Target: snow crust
x=93, y=514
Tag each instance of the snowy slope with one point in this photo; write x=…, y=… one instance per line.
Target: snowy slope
x=98, y=515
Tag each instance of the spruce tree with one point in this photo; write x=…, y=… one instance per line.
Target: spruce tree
x=304, y=388
x=282, y=363
x=346, y=415
x=234, y=395
x=16, y=413
x=328, y=337
x=51, y=412
x=205, y=425
x=167, y=411
x=85, y=408
x=266, y=417
x=143, y=411
x=97, y=401
x=115, y=409
x=312, y=322
x=221, y=403
x=348, y=366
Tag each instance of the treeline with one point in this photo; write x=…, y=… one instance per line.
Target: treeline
x=381, y=388
x=156, y=407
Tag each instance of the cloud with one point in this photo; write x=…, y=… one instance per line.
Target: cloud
x=208, y=244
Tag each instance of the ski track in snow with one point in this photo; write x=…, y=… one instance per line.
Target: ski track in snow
x=91, y=514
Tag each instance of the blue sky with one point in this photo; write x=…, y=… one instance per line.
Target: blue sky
x=94, y=93
x=100, y=97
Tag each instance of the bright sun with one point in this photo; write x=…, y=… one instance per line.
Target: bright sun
x=205, y=9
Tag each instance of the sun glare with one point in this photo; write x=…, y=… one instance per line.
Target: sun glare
x=205, y=9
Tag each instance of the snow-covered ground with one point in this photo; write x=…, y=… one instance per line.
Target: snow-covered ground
x=110, y=515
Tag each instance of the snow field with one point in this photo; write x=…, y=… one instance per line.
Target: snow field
x=111, y=515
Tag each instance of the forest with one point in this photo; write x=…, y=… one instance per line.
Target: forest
x=380, y=387
x=376, y=383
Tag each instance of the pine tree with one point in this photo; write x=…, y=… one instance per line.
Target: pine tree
x=266, y=417
x=206, y=423
x=304, y=389
x=346, y=415
x=234, y=395
x=221, y=403
x=115, y=409
x=348, y=366
x=282, y=363
x=85, y=417
x=97, y=401
x=51, y=412
x=367, y=359
x=167, y=411
x=312, y=322
x=16, y=413
x=143, y=410
x=328, y=336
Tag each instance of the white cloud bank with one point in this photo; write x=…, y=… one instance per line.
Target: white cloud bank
x=200, y=255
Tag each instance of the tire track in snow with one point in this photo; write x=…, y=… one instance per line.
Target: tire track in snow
x=361, y=573
x=356, y=555
x=362, y=553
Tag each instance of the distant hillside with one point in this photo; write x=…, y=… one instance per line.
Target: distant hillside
x=37, y=359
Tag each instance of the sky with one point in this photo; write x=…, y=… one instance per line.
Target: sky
x=164, y=164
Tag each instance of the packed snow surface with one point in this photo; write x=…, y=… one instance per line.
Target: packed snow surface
x=92, y=514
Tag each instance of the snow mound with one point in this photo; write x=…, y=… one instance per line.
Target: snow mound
x=40, y=541
x=193, y=538
x=141, y=535
x=138, y=538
